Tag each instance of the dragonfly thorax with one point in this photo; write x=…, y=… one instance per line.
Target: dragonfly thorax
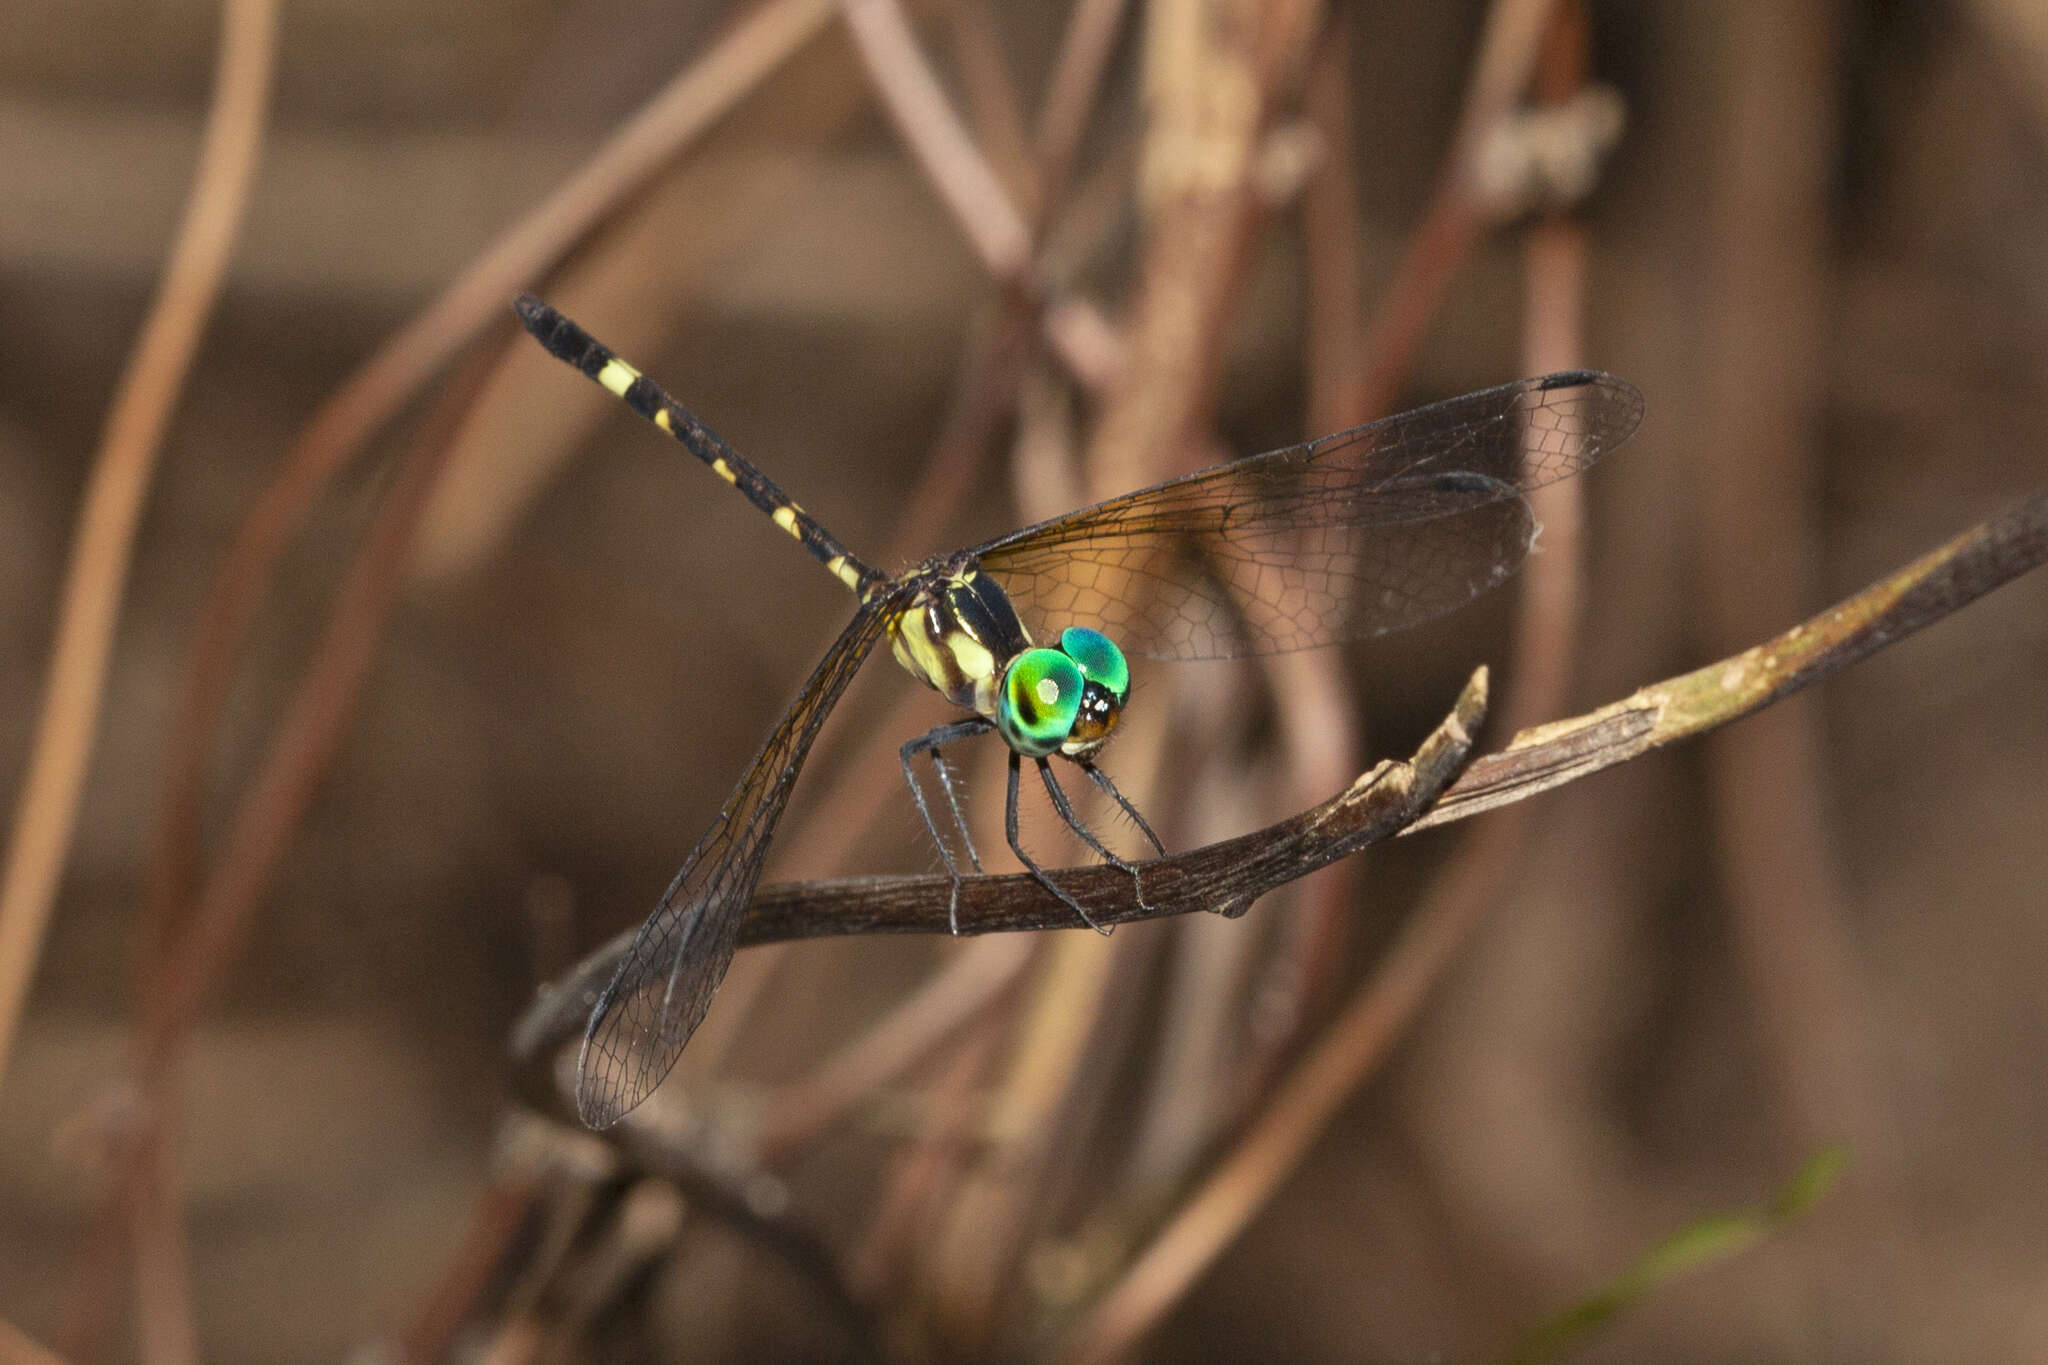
x=957, y=634
x=960, y=636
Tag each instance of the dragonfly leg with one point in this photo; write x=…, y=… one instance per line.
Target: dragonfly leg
x=929, y=743
x=1066, y=810
x=1038, y=873
x=1101, y=779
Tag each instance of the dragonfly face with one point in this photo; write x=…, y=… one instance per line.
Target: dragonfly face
x=1105, y=689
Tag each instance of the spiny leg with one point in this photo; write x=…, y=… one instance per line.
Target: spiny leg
x=929, y=743
x=1066, y=810
x=1038, y=873
x=1101, y=779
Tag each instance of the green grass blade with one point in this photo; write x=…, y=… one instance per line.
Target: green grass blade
x=1700, y=1243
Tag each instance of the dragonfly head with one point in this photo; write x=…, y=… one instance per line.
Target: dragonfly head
x=1065, y=700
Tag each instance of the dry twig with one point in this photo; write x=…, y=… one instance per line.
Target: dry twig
x=18, y=1346
x=938, y=139
x=1457, y=211
x=1772, y=812
x=122, y=469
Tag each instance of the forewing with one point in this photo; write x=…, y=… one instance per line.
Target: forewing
x=1363, y=532
x=664, y=984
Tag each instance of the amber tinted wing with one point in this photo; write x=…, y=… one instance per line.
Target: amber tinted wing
x=1356, y=534
x=665, y=982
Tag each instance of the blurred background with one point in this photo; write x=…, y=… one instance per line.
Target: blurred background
x=433, y=662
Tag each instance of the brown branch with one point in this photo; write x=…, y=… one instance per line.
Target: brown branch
x=993, y=99
x=167, y=1329
x=949, y=1002
x=303, y=746
x=1226, y=877
x=183, y=981
x=1457, y=211
x=498, y=1214
x=1767, y=328
x=968, y=185
x=923, y=1174
x=1890, y=609
x=580, y=1239
x=918, y=107
x=1385, y=801
x=1071, y=94
x=96, y=578
x=19, y=1347
x=1331, y=231
x=91, y=605
x=774, y=1230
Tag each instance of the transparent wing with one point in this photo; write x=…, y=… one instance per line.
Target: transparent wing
x=664, y=984
x=1360, y=533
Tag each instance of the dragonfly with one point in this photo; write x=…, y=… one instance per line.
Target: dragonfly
x=1356, y=534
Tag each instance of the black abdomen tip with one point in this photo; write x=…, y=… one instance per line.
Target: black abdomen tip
x=560, y=337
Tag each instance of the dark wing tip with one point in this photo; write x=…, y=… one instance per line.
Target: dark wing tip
x=1621, y=404
x=1461, y=481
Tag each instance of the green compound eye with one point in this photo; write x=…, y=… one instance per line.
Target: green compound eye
x=1101, y=661
x=1040, y=697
